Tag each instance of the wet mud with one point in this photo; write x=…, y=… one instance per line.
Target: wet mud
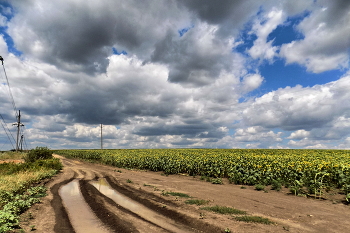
x=91, y=201
x=80, y=214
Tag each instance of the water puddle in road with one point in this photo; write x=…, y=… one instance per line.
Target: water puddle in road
x=103, y=186
x=81, y=216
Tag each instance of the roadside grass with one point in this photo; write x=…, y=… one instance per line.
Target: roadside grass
x=19, y=186
x=176, y=194
x=12, y=155
x=223, y=210
x=255, y=219
x=15, y=178
x=232, y=211
x=196, y=202
x=17, y=183
x=17, y=204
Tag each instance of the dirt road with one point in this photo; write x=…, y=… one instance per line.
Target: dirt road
x=95, y=198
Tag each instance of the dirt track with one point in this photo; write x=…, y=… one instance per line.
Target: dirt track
x=143, y=208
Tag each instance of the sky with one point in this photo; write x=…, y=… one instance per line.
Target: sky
x=176, y=73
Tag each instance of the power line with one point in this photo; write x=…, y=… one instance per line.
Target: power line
x=8, y=132
x=8, y=84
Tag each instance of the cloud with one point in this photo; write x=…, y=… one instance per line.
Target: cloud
x=299, y=134
x=256, y=136
x=197, y=58
x=70, y=35
x=230, y=15
x=180, y=81
x=327, y=38
x=262, y=28
x=252, y=82
x=300, y=108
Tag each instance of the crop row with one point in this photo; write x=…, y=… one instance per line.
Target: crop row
x=240, y=166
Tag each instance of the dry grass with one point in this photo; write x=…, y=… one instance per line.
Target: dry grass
x=14, y=182
x=12, y=155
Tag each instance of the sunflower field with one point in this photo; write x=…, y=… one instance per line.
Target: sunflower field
x=304, y=168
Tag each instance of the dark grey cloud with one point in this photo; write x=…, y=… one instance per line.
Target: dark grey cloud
x=195, y=129
x=229, y=14
x=189, y=64
x=81, y=36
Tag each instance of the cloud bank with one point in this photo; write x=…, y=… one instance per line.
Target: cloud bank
x=162, y=74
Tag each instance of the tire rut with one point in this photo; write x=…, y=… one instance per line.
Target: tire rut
x=114, y=217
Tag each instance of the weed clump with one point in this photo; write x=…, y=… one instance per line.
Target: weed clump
x=39, y=153
x=196, y=202
x=255, y=219
x=259, y=187
x=223, y=210
x=276, y=185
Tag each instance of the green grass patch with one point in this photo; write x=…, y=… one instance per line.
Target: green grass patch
x=176, y=194
x=223, y=210
x=254, y=219
x=196, y=202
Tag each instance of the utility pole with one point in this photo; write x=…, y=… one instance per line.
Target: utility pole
x=101, y=138
x=22, y=142
x=18, y=124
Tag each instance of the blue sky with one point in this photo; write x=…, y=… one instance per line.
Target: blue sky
x=269, y=74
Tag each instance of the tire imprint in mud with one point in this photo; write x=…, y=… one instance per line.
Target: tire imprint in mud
x=61, y=217
x=114, y=216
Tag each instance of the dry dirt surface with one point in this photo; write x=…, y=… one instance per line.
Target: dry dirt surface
x=87, y=197
x=11, y=161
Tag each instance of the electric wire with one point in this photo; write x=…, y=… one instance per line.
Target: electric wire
x=8, y=132
x=9, y=87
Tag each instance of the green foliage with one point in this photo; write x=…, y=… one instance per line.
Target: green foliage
x=259, y=187
x=216, y=181
x=38, y=153
x=174, y=194
x=276, y=185
x=17, y=204
x=297, y=187
x=24, y=175
x=255, y=219
x=196, y=202
x=240, y=166
x=223, y=210
x=12, y=168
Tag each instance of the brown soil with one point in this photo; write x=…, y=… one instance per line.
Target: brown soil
x=288, y=212
x=11, y=161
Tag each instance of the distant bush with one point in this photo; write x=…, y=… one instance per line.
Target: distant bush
x=38, y=153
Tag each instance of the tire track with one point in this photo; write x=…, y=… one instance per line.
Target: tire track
x=80, y=215
x=77, y=203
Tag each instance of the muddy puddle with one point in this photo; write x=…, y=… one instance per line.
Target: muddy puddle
x=80, y=215
x=103, y=186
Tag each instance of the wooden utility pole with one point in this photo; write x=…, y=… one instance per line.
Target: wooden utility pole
x=101, y=138
x=18, y=124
